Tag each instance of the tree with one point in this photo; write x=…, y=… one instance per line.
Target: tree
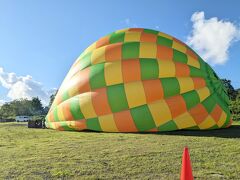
x=232, y=93
x=235, y=109
x=21, y=107
x=52, y=97
x=6, y=111
x=36, y=106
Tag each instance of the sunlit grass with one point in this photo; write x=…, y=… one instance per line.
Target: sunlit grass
x=44, y=154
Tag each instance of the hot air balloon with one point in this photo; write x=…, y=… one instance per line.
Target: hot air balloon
x=139, y=80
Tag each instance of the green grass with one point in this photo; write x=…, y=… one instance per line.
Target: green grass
x=48, y=154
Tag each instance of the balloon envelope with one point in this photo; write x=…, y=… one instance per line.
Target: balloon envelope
x=138, y=80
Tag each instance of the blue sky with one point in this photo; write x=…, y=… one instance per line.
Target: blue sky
x=43, y=38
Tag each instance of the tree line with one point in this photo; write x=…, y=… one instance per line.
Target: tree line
x=234, y=96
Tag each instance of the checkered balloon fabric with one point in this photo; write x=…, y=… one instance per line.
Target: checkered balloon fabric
x=139, y=80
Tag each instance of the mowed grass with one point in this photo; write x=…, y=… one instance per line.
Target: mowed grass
x=48, y=154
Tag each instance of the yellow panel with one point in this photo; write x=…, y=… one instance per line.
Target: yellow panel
x=135, y=94
x=222, y=119
x=207, y=123
x=71, y=124
x=203, y=93
x=179, y=47
x=60, y=113
x=148, y=50
x=122, y=30
x=86, y=106
x=166, y=69
x=160, y=112
x=165, y=35
x=52, y=125
x=89, y=49
x=107, y=123
x=98, y=55
x=113, y=73
x=185, y=121
x=193, y=62
x=132, y=36
x=73, y=91
x=186, y=84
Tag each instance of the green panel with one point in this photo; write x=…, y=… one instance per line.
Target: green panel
x=191, y=99
x=117, y=37
x=130, y=50
x=149, y=69
x=164, y=41
x=93, y=124
x=150, y=31
x=55, y=114
x=209, y=103
x=117, y=98
x=214, y=127
x=97, y=79
x=65, y=96
x=168, y=126
x=195, y=72
x=85, y=61
x=170, y=87
x=221, y=103
x=142, y=118
x=75, y=109
x=179, y=56
x=193, y=128
x=203, y=65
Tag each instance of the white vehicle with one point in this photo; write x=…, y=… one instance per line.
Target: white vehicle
x=23, y=118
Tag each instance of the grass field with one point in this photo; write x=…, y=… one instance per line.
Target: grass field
x=44, y=154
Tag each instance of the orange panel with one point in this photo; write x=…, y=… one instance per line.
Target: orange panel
x=230, y=123
x=216, y=113
x=198, y=83
x=131, y=70
x=113, y=52
x=182, y=70
x=51, y=116
x=153, y=90
x=153, y=130
x=192, y=54
x=164, y=53
x=81, y=80
x=198, y=113
x=146, y=37
x=124, y=121
x=102, y=42
x=67, y=112
x=100, y=102
x=58, y=126
x=80, y=125
x=176, y=105
x=178, y=41
x=136, y=29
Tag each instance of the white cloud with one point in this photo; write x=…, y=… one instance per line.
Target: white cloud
x=23, y=87
x=211, y=38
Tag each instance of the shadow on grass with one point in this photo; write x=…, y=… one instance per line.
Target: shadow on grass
x=231, y=132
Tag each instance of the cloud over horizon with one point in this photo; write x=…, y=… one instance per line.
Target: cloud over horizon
x=212, y=38
x=23, y=87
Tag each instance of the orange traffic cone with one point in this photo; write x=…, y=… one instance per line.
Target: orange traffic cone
x=186, y=173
